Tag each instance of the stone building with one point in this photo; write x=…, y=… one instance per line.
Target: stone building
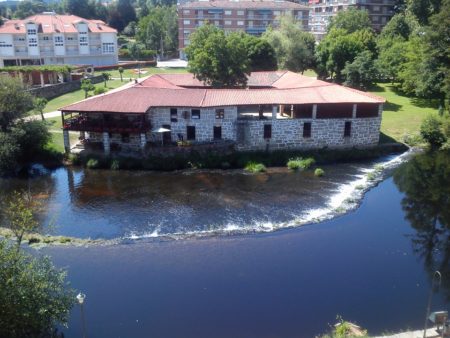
x=277, y=110
x=50, y=38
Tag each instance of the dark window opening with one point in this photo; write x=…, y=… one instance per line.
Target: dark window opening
x=173, y=115
x=167, y=136
x=195, y=113
x=220, y=113
x=267, y=131
x=307, y=129
x=303, y=111
x=366, y=110
x=125, y=137
x=217, y=132
x=190, y=131
x=347, y=129
x=334, y=110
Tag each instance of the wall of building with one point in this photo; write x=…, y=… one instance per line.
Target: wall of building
x=52, y=91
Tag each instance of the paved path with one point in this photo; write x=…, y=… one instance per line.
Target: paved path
x=174, y=63
x=431, y=333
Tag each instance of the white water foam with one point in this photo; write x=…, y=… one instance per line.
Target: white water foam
x=346, y=197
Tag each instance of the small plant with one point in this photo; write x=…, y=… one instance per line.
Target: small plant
x=92, y=163
x=431, y=132
x=115, y=165
x=99, y=90
x=300, y=163
x=319, y=172
x=371, y=176
x=121, y=73
x=254, y=167
x=379, y=167
x=359, y=187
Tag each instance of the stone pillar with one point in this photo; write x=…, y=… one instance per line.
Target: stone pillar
x=66, y=140
x=380, y=109
x=106, y=145
x=42, y=79
x=314, y=112
x=354, y=111
x=274, y=112
x=143, y=140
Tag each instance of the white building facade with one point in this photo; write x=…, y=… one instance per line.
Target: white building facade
x=49, y=38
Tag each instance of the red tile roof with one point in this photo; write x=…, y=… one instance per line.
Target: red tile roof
x=166, y=90
x=243, y=4
x=54, y=23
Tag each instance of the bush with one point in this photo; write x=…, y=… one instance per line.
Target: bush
x=115, y=165
x=319, y=172
x=254, y=167
x=300, y=163
x=93, y=163
x=431, y=132
x=99, y=90
x=9, y=152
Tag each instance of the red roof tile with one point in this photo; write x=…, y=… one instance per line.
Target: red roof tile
x=158, y=91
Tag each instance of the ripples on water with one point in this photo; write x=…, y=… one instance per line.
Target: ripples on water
x=134, y=205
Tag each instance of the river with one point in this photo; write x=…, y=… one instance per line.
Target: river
x=227, y=254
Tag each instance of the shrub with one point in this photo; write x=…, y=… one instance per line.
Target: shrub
x=319, y=172
x=254, y=167
x=115, y=165
x=99, y=90
x=412, y=139
x=371, y=176
x=431, y=132
x=300, y=163
x=93, y=163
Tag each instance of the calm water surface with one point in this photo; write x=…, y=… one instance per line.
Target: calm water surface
x=371, y=266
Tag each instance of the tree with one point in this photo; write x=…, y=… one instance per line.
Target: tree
x=423, y=9
x=217, y=59
x=80, y=8
x=87, y=86
x=391, y=58
x=106, y=77
x=121, y=73
x=159, y=30
x=15, y=102
x=401, y=25
x=39, y=106
x=126, y=13
x=261, y=54
x=135, y=50
x=361, y=73
x=19, y=215
x=34, y=296
x=293, y=47
x=9, y=152
x=350, y=20
x=431, y=131
x=28, y=8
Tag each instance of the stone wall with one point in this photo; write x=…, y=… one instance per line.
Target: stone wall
x=204, y=126
x=52, y=91
x=288, y=134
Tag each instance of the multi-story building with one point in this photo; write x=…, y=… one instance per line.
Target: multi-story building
x=252, y=17
x=50, y=38
x=380, y=12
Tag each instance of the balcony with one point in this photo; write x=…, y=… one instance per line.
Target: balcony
x=83, y=123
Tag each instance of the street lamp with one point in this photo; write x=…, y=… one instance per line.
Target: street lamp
x=80, y=298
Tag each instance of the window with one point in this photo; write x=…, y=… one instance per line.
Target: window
x=59, y=39
x=217, y=132
x=4, y=45
x=267, y=131
x=228, y=22
x=227, y=12
x=195, y=114
x=347, y=129
x=31, y=31
x=240, y=23
x=190, y=133
x=186, y=11
x=240, y=13
x=250, y=23
x=125, y=137
x=47, y=38
x=307, y=129
x=108, y=47
x=220, y=113
x=186, y=22
x=82, y=39
x=173, y=115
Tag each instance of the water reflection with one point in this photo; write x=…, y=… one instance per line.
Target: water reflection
x=425, y=181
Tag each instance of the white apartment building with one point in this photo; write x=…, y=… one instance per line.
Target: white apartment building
x=50, y=38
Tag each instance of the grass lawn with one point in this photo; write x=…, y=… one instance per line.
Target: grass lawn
x=402, y=115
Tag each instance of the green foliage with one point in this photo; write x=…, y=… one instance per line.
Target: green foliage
x=300, y=163
x=65, y=69
x=141, y=55
x=106, y=76
x=34, y=295
x=351, y=20
x=319, y=172
x=254, y=167
x=135, y=50
x=217, y=59
x=15, y=102
x=392, y=57
x=39, y=106
x=293, y=47
x=120, y=69
x=9, y=152
x=401, y=25
x=159, y=30
x=261, y=54
x=87, y=86
x=19, y=214
x=361, y=73
x=423, y=9
x=93, y=163
x=99, y=90
x=31, y=137
x=431, y=132
x=115, y=165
